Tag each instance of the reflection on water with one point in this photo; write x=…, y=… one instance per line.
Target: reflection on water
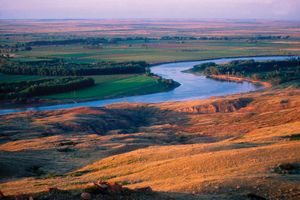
x=192, y=87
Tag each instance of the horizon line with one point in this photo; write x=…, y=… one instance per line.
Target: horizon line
x=196, y=19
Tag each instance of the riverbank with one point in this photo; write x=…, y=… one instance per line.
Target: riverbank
x=106, y=86
x=226, y=57
x=266, y=73
x=158, y=85
x=192, y=87
x=240, y=80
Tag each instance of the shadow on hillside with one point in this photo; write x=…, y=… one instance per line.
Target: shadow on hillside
x=130, y=194
x=44, y=124
x=129, y=120
x=128, y=129
x=120, y=128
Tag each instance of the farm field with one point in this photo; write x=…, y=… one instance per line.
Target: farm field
x=227, y=38
x=24, y=29
x=163, y=51
x=140, y=40
x=111, y=86
x=145, y=41
x=106, y=86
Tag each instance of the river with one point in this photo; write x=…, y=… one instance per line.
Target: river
x=192, y=86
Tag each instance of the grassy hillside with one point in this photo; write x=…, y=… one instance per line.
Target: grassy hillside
x=235, y=147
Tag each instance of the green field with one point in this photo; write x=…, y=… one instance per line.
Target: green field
x=164, y=51
x=106, y=86
x=110, y=86
x=153, y=49
x=153, y=52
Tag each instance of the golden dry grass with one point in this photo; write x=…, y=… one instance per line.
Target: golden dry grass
x=221, y=148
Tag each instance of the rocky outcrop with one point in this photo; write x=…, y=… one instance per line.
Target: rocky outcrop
x=99, y=190
x=220, y=106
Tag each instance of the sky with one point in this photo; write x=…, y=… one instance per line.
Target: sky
x=126, y=9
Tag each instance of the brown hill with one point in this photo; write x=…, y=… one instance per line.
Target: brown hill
x=235, y=147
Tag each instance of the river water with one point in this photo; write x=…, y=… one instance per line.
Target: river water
x=192, y=86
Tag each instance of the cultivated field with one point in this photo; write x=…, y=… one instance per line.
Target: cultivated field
x=152, y=28
x=91, y=41
x=164, y=51
x=112, y=86
x=239, y=39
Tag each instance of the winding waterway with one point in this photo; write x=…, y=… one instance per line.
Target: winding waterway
x=192, y=86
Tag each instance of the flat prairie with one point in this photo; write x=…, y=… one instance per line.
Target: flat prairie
x=154, y=28
x=228, y=38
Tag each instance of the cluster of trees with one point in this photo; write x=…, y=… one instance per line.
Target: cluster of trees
x=90, y=41
x=169, y=83
x=14, y=48
x=59, y=67
x=97, y=41
x=277, y=72
x=25, y=89
x=258, y=37
x=86, y=41
x=93, y=42
x=101, y=40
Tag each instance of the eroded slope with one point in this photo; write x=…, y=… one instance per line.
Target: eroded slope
x=217, y=148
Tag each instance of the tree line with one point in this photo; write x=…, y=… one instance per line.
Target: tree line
x=57, y=67
x=87, y=41
x=101, y=40
x=27, y=46
x=25, y=89
x=256, y=37
x=275, y=71
x=169, y=83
